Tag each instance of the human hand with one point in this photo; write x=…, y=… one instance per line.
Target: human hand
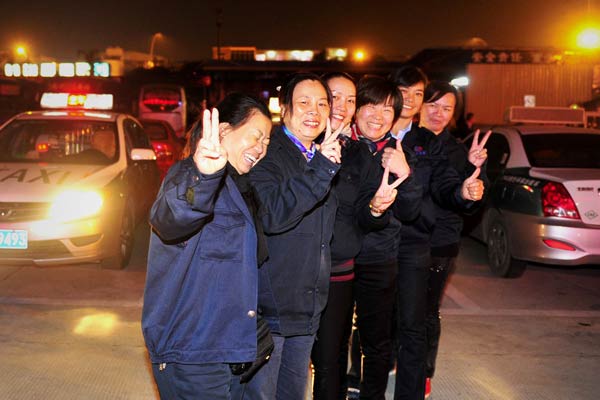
x=210, y=156
x=477, y=152
x=472, y=188
x=386, y=193
x=395, y=160
x=330, y=147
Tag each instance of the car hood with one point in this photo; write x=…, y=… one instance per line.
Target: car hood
x=39, y=182
x=582, y=184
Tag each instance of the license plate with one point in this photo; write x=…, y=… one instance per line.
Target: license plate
x=13, y=239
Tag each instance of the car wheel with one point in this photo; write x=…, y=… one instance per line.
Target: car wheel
x=500, y=259
x=124, y=244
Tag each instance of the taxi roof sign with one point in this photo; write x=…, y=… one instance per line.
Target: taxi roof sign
x=88, y=101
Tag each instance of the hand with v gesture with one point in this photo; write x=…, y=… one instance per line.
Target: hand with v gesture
x=386, y=193
x=210, y=156
x=395, y=160
x=330, y=147
x=478, y=152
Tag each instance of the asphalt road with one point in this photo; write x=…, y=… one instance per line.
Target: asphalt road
x=73, y=332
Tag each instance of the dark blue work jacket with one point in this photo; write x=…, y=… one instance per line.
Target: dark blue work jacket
x=298, y=213
x=200, y=299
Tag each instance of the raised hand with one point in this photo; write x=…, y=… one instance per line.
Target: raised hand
x=478, y=152
x=395, y=160
x=330, y=147
x=210, y=156
x=386, y=193
x=472, y=188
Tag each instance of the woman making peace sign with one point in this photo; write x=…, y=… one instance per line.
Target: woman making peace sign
x=200, y=308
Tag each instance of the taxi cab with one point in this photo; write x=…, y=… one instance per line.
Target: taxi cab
x=74, y=182
x=544, y=202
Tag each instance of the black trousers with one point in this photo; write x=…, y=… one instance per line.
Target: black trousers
x=439, y=271
x=374, y=293
x=330, y=351
x=411, y=334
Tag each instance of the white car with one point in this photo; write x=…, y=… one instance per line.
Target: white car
x=544, y=201
x=73, y=186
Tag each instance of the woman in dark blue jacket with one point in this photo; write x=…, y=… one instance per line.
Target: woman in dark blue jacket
x=200, y=302
x=439, y=107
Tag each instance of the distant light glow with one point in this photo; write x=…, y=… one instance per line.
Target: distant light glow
x=66, y=70
x=20, y=50
x=83, y=69
x=102, y=69
x=360, y=55
x=589, y=38
x=30, y=70
x=48, y=69
x=460, y=81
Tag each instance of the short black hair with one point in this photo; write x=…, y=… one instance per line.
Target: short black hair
x=435, y=90
x=408, y=75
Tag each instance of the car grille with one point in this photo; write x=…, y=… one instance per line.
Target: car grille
x=38, y=249
x=20, y=212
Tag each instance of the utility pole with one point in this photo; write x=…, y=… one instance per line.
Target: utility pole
x=219, y=24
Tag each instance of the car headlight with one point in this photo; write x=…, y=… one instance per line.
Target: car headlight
x=75, y=204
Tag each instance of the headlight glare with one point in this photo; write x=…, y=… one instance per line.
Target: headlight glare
x=75, y=204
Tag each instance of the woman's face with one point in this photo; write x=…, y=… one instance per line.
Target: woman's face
x=344, y=101
x=247, y=144
x=308, y=115
x=412, y=97
x=375, y=120
x=436, y=115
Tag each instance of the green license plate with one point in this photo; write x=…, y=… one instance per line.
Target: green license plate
x=13, y=239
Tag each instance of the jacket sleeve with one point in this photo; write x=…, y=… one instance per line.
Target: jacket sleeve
x=286, y=199
x=446, y=182
x=185, y=201
x=407, y=205
x=370, y=181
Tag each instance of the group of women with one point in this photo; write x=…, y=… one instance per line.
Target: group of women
x=345, y=206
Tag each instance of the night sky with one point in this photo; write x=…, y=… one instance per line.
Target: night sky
x=59, y=28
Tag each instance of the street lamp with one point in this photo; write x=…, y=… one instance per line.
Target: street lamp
x=589, y=39
x=21, y=53
x=155, y=37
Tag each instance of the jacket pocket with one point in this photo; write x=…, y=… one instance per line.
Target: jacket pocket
x=223, y=237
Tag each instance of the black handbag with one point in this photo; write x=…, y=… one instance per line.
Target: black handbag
x=264, y=348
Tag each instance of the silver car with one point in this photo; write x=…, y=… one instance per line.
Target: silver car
x=73, y=185
x=544, y=201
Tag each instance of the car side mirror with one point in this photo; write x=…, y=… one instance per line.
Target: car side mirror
x=142, y=154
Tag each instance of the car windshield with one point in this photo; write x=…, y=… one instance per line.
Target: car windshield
x=59, y=141
x=564, y=150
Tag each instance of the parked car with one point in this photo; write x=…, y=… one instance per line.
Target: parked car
x=166, y=144
x=73, y=186
x=544, y=201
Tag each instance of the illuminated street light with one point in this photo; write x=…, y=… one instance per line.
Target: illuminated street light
x=589, y=39
x=155, y=37
x=360, y=55
x=21, y=53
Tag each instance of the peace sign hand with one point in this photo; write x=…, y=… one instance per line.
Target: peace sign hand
x=330, y=147
x=210, y=156
x=477, y=152
x=386, y=194
x=395, y=160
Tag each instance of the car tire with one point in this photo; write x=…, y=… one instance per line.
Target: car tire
x=124, y=244
x=499, y=254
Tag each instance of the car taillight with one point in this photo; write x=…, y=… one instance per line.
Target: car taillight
x=163, y=151
x=557, y=202
x=157, y=104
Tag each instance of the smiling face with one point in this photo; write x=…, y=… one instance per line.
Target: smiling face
x=247, y=144
x=412, y=97
x=375, y=120
x=344, y=101
x=308, y=115
x=436, y=115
